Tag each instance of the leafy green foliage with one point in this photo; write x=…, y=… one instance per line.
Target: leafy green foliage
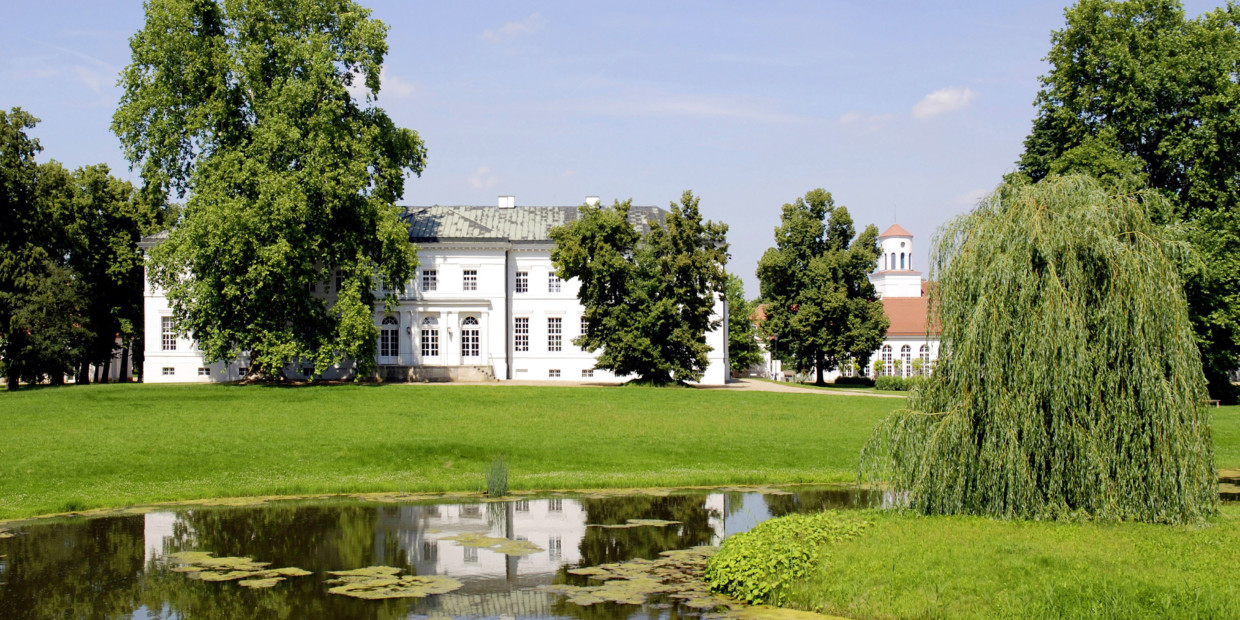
x=897, y=384
x=497, y=478
x=761, y=565
x=1137, y=94
x=648, y=299
x=743, y=348
x=70, y=269
x=245, y=106
x=821, y=307
x=1068, y=382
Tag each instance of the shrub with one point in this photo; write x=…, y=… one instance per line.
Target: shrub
x=759, y=566
x=898, y=384
x=866, y=381
x=497, y=478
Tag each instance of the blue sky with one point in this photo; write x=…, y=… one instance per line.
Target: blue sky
x=905, y=111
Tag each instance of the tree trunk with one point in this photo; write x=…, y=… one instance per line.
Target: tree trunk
x=818, y=368
x=124, y=378
x=105, y=372
x=98, y=374
x=83, y=376
x=12, y=381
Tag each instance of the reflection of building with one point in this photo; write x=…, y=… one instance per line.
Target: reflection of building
x=485, y=303
x=554, y=525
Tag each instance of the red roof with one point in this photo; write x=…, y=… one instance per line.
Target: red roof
x=907, y=315
x=896, y=231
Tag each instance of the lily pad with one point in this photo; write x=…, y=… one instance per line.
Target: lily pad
x=678, y=574
x=6, y=534
x=505, y=546
x=634, y=523
x=381, y=582
x=203, y=566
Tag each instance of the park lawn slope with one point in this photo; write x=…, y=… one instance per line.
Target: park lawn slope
x=910, y=566
x=76, y=448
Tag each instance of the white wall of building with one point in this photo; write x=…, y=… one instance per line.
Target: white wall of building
x=494, y=304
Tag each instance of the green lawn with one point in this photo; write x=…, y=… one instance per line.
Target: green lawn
x=75, y=448
x=968, y=567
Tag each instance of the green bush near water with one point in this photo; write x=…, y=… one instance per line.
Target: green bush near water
x=761, y=565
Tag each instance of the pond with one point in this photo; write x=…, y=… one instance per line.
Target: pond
x=517, y=558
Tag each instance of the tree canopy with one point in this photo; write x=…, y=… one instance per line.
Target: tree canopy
x=648, y=299
x=1139, y=95
x=1068, y=382
x=246, y=108
x=70, y=269
x=820, y=305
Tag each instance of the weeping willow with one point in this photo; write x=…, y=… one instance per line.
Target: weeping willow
x=1068, y=382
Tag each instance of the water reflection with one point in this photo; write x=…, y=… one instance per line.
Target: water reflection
x=117, y=567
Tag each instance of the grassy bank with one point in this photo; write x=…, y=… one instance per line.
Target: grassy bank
x=76, y=448
x=964, y=567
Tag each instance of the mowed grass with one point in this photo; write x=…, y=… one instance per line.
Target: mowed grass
x=76, y=448
x=907, y=566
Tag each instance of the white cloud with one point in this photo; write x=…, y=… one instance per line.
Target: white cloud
x=389, y=85
x=943, y=100
x=529, y=25
x=482, y=178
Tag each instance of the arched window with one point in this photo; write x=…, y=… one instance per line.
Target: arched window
x=886, y=357
x=430, y=337
x=389, y=337
x=901, y=260
x=925, y=359
x=469, y=338
x=906, y=360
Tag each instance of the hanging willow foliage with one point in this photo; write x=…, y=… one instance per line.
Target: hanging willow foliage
x=1068, y=382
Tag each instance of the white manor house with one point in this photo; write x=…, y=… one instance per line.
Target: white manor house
x=485, y=304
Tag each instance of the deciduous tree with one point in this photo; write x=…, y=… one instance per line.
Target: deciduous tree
x=820, y=305
x=1068, y=382
x=648, y=299
x=245, y=106
x=744, y=349
x=1138, y=94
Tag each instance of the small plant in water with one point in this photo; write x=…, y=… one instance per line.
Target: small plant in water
x=497, y=478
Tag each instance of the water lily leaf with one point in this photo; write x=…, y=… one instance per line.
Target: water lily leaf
x=382, y=584
x=260, y=583
x=6, y=534
x=369, y=571
x=499, y=545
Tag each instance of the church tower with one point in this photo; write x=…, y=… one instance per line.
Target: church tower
x=895, y=276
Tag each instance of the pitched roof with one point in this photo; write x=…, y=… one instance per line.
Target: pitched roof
x=896, y=231
x=908, y=315
x=528, y=224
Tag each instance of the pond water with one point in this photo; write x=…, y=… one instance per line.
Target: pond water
x=131, y=566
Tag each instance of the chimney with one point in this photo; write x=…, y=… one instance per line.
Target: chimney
x=592, y=201
x=507, y=202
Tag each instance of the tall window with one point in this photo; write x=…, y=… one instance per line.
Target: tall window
x=521, y=333
x=523, y=282
x=901, y=260
x=925, y=359
x=469, y=281
x=846, y=367
x=555, y=548
x=430, y=280
x=430, y=337
x=339, y=281
x=555, y=333
x=585, y=326
x=169, y=339
x=887, y=368
x=389, y=337
x=906, y=360
x=469, y=338
x=553, y=283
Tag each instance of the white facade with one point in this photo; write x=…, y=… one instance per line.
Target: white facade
x=487, y=305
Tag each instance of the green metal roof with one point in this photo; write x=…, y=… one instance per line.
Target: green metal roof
x=529, y=224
